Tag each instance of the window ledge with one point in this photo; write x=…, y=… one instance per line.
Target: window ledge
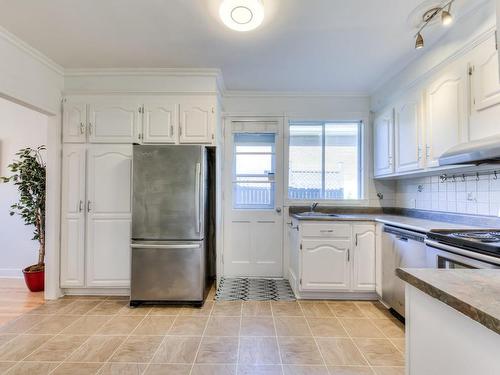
x=329, y=202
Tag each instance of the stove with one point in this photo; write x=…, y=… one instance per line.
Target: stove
x=485, y=241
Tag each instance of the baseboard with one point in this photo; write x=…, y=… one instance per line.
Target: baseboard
x=11, y=273
x=342, y=296
x=96, y=292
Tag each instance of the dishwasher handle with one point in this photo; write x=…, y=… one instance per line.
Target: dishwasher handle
x=404, y=233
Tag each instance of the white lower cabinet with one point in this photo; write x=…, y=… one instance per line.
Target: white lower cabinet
x=325, y=265
x=95, y=230
x=332, y=257
x=364, y=257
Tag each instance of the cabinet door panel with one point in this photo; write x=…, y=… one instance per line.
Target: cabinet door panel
x=196, y=123
x=485, y=85
x=160, y=122
x=73, y=216
x=116, y=122
x=486, y=77
x=325, y=265
x=109, y=215
x=383, y=145
x=74, y=122
x=364, y=258
x=407, y=135
x=446, y=113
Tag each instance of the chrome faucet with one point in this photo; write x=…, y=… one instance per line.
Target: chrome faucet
x=313, y=206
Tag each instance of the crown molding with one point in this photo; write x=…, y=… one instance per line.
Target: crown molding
x=172, y=72
x=296, y=94
x=33, y=52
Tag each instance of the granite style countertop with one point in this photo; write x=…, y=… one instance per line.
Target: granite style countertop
x=474, y=293
x=405, y=222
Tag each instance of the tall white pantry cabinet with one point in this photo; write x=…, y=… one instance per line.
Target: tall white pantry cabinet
x=98, y=138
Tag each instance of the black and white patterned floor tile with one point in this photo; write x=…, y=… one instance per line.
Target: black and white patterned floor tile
x=245, y=289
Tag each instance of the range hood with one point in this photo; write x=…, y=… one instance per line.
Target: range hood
x=482, y=151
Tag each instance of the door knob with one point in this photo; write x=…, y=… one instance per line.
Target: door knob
x=278, y=210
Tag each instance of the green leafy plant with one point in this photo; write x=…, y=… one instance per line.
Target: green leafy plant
x=28, y=174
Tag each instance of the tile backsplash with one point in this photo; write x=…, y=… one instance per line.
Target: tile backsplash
x=470, y=195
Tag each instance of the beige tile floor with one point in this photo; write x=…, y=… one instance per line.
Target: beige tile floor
x=104, y=336
x=16, y=299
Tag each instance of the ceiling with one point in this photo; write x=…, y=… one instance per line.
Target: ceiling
x=343, y=46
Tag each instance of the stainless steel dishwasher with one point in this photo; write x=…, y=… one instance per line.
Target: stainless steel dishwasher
x=401, y=248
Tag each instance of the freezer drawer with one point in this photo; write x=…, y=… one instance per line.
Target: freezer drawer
x=171, y=271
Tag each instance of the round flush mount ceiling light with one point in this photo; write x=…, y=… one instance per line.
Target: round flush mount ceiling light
x=242, y=15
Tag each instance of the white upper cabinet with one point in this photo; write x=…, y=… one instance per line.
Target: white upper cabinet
x=160, y=122
x=109, y=193
x=446, y=124
x=485, y=87
x=364, y=257
x=197, y=122
x=408, y=134
x=383, y=135
x=325, y=265
x=74, y=122
x=114, y=121
x=73, y=216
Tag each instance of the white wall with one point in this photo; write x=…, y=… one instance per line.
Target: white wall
x=316, y=107
x=19, y=127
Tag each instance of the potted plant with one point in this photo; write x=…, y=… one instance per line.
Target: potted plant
x=28, y=174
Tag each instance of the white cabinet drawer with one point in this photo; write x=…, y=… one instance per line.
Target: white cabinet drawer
x=326, y=230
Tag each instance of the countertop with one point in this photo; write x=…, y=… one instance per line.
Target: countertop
x=411, y=223
x=474, y=293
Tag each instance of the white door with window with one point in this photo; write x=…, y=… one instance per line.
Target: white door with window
x=253, y=198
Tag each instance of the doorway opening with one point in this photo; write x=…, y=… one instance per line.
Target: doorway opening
x=20, y=128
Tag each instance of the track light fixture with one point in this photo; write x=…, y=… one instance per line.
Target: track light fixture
x=446, y=19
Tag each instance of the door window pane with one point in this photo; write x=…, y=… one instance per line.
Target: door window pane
x=254, y=171
x=324, y=161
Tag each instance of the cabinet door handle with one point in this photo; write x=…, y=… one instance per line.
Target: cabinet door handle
x=80, y=206
x=82, y=128
x=326, y=231
x=171, y=130
x=419, y=153
x=180, y=131
x=356, y=239
x=88, y=206
x=90, y=128
x=348, y=254
x=427, y=151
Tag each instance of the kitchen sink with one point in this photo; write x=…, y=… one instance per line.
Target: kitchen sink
x=317, y=214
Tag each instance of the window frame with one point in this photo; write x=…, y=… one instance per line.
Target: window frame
x=363, y=200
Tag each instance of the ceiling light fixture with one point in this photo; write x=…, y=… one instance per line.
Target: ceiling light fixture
x=419, y=43
x=429, y=16
x=242, y=15
x=446, y=17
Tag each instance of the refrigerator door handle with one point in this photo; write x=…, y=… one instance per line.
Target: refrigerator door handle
x=139, y=246
x=198, y=197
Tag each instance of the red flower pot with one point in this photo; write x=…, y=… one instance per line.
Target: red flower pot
x=35, y=280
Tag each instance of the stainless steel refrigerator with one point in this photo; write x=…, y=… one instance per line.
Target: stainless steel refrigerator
x=172, y=224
